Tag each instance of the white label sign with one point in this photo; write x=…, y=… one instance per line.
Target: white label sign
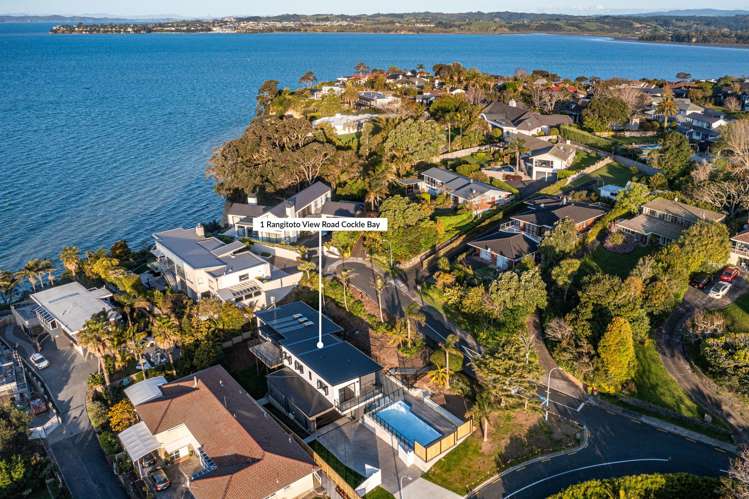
x=345, y=224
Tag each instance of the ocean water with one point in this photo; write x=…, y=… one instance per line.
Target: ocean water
x=106, y=137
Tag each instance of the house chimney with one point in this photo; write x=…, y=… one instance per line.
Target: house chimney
x=290, y=212
x=200, y=230
x=194, y=381
x=252, y=198
x=512, y=103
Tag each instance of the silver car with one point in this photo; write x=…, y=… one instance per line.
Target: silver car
x=719, y=290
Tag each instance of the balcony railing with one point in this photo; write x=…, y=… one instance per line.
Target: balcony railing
x=740, y=249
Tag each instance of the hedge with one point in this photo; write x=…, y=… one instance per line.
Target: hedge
x=650, y=486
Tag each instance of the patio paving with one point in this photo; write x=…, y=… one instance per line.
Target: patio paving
x=356, y=446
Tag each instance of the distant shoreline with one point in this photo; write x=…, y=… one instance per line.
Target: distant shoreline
x=608, y=36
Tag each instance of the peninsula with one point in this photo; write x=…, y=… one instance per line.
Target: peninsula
x=657, y=28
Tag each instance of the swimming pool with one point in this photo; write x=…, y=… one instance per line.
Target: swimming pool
x=409, y=426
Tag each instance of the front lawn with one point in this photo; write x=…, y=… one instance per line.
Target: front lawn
x=454, y=224
x=619, y=264
x=655, y=385
x=513, y=437
x=612, y=173
x=737, y=314
x=583, y=159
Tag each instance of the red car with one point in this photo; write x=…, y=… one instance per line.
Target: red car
x=729, y=274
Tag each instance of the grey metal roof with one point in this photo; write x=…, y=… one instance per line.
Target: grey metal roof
x=548, y=217
x=71, y=304
x=458, y=185
x=440, y=174
x=510, y=245
x=245, y=210
x=208, y=253
x=303, y=198
x=339, y=362
x=299, y=392
x=342, y=208
x=285, y=322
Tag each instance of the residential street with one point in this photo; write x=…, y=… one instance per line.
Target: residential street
x=702, y=389
x=73, y=444
x=617, y=446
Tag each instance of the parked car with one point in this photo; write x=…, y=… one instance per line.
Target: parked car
x=143, y=365
x=719, y=289
x=700, y=280
x=729, y=274
x=160, y=480
x=149, y=461
x=39, y=361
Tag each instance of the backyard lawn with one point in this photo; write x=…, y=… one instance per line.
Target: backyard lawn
x=453, y=224
x=655, y=385
x=737, y=314
x=513, y=437
x=583, y=159
x=620, y=264
x=613, y=173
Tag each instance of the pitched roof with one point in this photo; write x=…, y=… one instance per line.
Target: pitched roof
x=502, y=113
x=299, y=392
x=244, y=209
x=342, y=208
x=685, y=211
x=647, y=225
x=71, y=304
x=578, y=213
x=253, y=455
x=507, y=244
x=458, y=185
x=742, y=237
x=301, y=199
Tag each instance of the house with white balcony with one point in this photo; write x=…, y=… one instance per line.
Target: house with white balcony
x=513, y=118
x=203, y=267
x=663, y=220
x=206, y=427
x=64, y=309
x=536, y=223
x=344, y=124
x=543, y=160
x=313, y=201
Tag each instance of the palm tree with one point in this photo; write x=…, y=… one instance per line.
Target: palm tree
x=8, y=282
x=71, y=259
x=308, y=79
x=398, y=335
x=135, y=339
x=451, y=342
x=47, y=267
x=361, y=68
x=667, y=106
x=413, y=313
x=167, y=334
x=306, y=266
x=379, y=285
x=481, y=410
x=303, y=251
x=31, y=272
x=345, y=277
x=440, y=376
x=518, y=145
x=94, y=337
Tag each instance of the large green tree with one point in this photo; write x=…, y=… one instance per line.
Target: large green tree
x=673, y=155
x=617, y=352
x=412, y=141
x=603, y=112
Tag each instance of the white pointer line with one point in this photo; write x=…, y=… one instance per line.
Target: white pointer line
x=584, y=468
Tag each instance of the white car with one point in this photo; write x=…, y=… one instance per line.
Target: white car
x=39, y=361
x=719, y=290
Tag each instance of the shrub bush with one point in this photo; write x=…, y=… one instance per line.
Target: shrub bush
x=109, y=443
x=98, y=413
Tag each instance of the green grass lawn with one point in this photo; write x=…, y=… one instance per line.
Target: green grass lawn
x=620, y=264
x=378, y=493
x=613, y=173
x=454, y=224
x=737, y=314
x=655, y=385
x=513, y=437
x=583, y=159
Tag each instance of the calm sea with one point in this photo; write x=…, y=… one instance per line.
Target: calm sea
x=107, y=137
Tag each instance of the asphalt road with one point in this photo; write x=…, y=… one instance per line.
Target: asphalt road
x=73, y=444
x=617, y=446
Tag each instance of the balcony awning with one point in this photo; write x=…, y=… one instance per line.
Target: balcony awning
x=138, y=441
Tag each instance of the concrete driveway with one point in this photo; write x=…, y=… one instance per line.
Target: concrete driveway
x=73, y=444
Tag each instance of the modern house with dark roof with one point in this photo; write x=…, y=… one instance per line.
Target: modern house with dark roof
x=512, y=118
x=536, y=223
x=205, y=267
x=208, y=428
x=313, y=201
x=664, y=220
x=504, y=249
x=476, y=196
x=315, y=385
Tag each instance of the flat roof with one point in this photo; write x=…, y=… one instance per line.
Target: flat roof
x=208, y=252
x=294, y=326
x=71, y=304
x=299, y=392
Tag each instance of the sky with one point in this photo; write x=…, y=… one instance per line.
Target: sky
x=217, y=8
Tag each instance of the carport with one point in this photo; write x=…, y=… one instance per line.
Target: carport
x=138, y=442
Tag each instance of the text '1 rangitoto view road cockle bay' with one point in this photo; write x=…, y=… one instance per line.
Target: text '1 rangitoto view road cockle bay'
x=256, y=251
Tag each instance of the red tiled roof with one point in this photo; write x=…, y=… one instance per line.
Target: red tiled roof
x=254, y=456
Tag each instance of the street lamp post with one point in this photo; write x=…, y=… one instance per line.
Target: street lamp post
x=548, y=392
x=390, y=245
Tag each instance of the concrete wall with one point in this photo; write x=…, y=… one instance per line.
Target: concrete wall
x=278, y=251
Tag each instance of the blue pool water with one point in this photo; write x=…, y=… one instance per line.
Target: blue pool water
x=106, y=137
x=408, y=424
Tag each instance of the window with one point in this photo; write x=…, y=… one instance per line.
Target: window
x=322, y=386
x=244, y=277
